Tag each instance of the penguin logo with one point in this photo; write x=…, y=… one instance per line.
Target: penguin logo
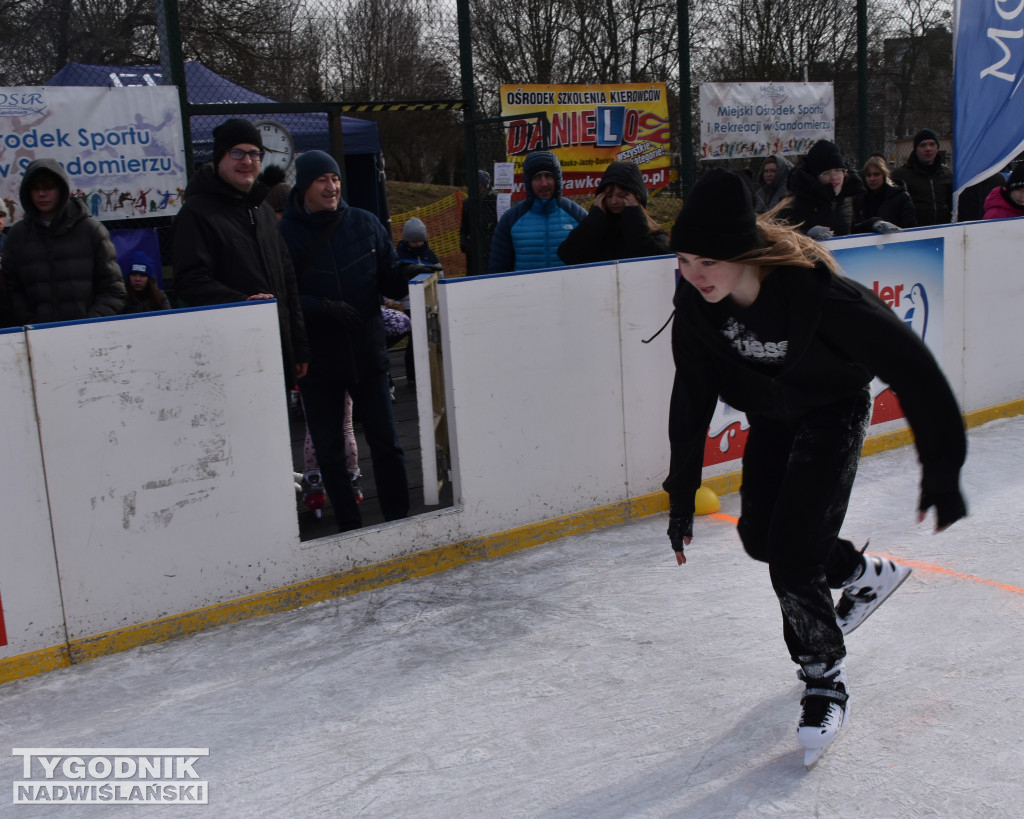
x=916, y=316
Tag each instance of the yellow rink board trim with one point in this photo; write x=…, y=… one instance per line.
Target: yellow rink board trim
x=393, y=571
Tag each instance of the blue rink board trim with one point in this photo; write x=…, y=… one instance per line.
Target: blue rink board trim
x=124, y=316
x=549, y=269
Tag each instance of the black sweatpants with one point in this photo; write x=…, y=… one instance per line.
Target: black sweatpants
x=797, y=479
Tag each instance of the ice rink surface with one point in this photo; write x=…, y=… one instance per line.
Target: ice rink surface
x=591, y=677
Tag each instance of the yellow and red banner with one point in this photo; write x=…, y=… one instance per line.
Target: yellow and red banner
x=590, y=126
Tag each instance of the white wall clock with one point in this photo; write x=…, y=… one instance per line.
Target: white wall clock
x=278, y=145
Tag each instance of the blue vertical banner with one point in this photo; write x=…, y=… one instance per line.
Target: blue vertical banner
x=988, y=122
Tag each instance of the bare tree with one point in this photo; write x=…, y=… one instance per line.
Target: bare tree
x=917, y=70
x=39, y=37
x=383, y=50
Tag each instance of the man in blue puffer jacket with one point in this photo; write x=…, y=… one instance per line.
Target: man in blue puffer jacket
x=529, y=234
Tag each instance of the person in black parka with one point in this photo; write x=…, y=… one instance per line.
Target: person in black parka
x=618, y=225
x=58, y=262
x=821, y=193
x=765, y=320
x=226, y=244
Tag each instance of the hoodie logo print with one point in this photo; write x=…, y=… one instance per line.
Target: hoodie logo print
x=747, y=344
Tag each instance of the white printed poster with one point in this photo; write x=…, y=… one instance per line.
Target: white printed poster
x=123, y=148
x=740, y=120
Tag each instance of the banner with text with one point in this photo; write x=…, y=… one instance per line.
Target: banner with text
x=988, y=129
x=591, y=126
x=123, y=148
x=751, y=119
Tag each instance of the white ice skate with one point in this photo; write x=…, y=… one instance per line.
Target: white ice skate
x=860, y=598
x=825, y=705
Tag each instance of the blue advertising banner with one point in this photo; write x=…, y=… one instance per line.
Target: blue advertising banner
x=988, y=116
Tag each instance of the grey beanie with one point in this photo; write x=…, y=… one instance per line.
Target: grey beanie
x=414, y=230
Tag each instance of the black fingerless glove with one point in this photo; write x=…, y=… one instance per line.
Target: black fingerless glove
x=679, y=526
x=949, y=506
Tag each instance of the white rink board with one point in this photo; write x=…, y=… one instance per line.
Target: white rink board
x=646, y=287
x=993, y=297
x=169, y=472
x=167, y=452
x=533, y=360
x=33, y=618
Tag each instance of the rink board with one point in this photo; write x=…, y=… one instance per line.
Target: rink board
x=168, y=503
x=31, y=617
x=519, y=345
x=169, y=480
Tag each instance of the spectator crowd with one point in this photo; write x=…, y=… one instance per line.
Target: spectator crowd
x=338, y=281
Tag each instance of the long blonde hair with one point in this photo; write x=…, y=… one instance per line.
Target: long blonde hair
x=785, y=245
x=879, y=164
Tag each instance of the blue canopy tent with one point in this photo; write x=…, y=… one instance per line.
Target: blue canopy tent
x=363, y=158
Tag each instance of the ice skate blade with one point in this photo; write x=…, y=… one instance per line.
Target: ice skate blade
x=847, y=630
x=812, y=755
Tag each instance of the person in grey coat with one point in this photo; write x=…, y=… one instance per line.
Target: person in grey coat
x=772, y=184
x=58, y=261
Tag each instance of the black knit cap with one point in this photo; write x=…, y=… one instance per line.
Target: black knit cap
x=717, y=220
x=311, y=166
x=923, y=134
x=823, y=156
x=232, y=132
x=1016, y=180
x=626, y=175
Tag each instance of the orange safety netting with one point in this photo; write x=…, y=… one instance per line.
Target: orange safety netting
x=443, y=220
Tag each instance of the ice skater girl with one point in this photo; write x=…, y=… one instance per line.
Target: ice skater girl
x=765, y=319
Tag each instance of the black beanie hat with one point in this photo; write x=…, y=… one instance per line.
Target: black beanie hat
x=1016, y=180
x=717, y=220
x=823, y=156
x=232, y=132
x=923, y=134
x=542, y=162
x=311, y=165
x=626, y=175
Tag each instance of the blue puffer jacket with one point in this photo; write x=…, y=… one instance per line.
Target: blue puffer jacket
x=529, y=234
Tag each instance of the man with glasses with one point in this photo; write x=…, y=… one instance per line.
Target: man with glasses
x=226, y=245
x=822, y=192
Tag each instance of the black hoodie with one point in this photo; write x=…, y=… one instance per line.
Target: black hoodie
x=840, y=335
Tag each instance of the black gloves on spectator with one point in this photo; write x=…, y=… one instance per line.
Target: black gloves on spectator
x=343, y=313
